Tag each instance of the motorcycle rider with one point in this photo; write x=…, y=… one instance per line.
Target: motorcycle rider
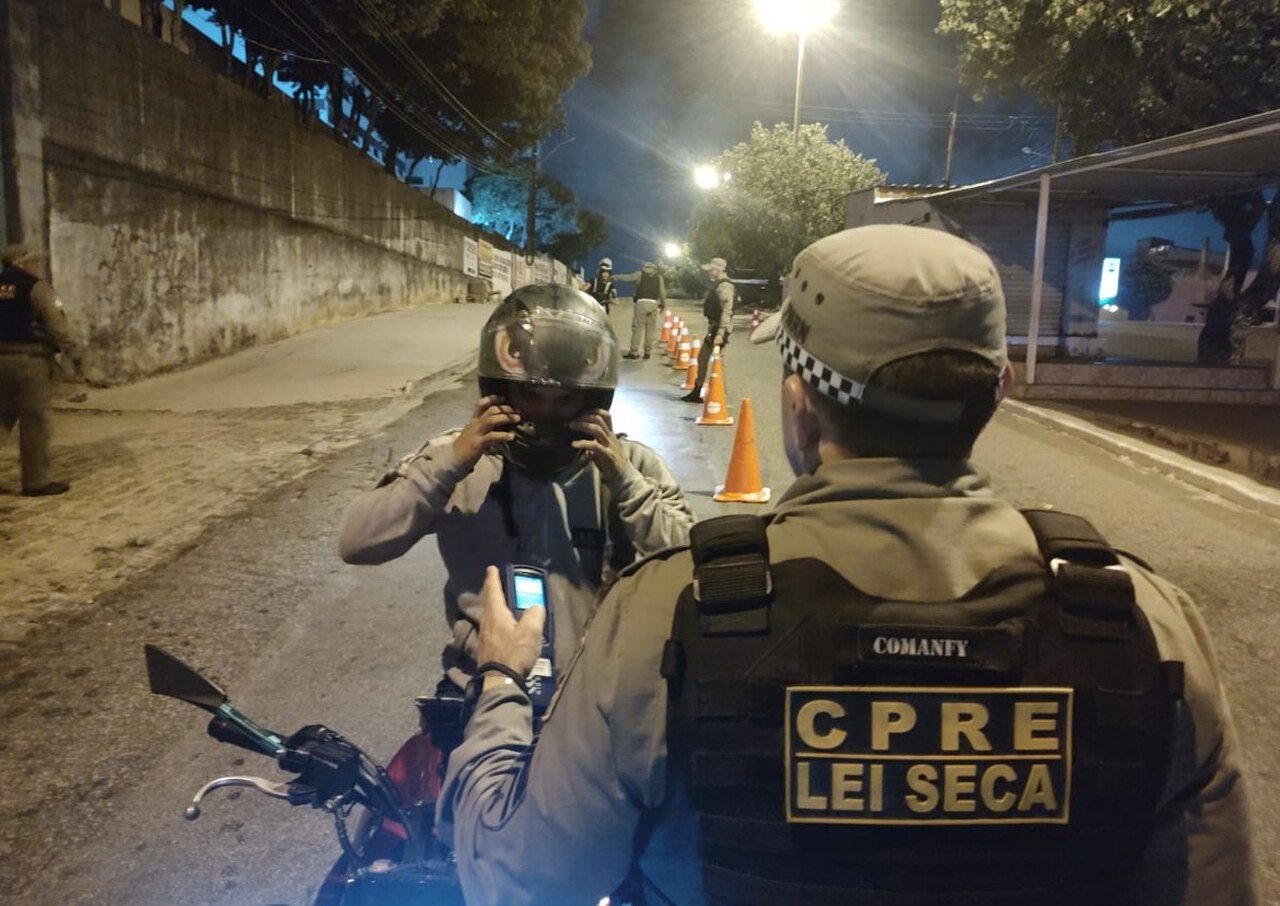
x=537, y=476
x=896, y=689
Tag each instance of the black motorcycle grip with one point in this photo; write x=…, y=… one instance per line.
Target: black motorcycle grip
x=224, y=730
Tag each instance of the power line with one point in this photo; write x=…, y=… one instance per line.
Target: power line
x=414, y=61
x=433, y=132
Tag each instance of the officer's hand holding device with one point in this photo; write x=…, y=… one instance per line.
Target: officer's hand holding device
x=515, y=640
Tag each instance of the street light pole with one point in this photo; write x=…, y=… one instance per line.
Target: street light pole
x=795, y=115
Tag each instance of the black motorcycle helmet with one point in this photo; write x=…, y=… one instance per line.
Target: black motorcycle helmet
x=546, y=335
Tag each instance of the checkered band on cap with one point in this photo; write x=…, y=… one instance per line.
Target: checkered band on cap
x=823, y=378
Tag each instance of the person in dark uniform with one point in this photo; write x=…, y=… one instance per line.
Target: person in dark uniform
x=896, y=688
x=33, y=330
x=717, y=305
x=602, y=287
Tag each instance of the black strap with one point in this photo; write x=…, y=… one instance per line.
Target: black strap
x=1062, y=536
x=731, y=564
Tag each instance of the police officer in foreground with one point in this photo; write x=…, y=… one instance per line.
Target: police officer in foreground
x=33, y=329
x=895, y=689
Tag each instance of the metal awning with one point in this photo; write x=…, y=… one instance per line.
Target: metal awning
x=1229, y=158
x=1225, y=159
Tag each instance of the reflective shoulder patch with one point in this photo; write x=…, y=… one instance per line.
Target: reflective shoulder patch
x=919, y=755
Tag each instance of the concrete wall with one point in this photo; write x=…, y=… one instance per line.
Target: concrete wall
x=185, y=216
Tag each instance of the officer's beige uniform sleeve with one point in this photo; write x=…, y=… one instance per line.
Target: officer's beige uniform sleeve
x=649, y=501
x=53, y=318
x=627, y=278
x=1201, y=852
x=557, y=824
x=726, y=293
x=384, y=522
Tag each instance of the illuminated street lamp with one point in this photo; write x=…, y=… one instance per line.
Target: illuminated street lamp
x=801, y=17
x=706, y=176
x=671, y=249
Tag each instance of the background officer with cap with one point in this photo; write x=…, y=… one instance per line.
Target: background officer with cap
x=33, y=329
x=537, y=477
x=717, y=305
x=650, y=297
x=602, y=288
x=907, y=691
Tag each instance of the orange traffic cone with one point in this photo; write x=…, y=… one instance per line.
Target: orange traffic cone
x=682, y=361
x=715, y=411
x=742, y=484
x=690, y=376
x=673, y=342
x=666, y=328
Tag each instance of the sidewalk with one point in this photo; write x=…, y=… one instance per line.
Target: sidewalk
x=154, y=464
x=1230, y=450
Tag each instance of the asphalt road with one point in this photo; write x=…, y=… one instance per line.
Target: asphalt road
x=98, y=772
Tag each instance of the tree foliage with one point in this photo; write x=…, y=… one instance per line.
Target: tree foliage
x=501, y=204
x=783, y=193
x=1143, y=285
x=474, y=80
x=1124, y=70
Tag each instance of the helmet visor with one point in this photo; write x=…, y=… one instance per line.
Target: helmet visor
x=550, y=347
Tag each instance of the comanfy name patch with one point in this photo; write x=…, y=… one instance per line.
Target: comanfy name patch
x=924, y=755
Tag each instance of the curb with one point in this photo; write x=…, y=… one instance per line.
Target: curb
x=1229, y=485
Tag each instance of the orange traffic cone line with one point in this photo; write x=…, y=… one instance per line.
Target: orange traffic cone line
x=743, y=484
x=690, y=376
x=715, y=411
x=666, y=328
x=673, y=343
x=682, y=362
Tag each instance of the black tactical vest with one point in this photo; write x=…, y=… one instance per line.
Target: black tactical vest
x=19, y=322
x=1008, y=747
x=712, y=307
x=649, y=286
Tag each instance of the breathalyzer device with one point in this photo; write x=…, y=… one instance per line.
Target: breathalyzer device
x=526, y=586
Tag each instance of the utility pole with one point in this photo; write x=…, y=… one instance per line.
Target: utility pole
x=1057, y=132
x=531, y=221
x=951, y=140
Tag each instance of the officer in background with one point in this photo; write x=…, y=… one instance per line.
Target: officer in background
x=33, y=330
x=895, y=689
x=650, y=297
x=602, y=288
x=717, y=306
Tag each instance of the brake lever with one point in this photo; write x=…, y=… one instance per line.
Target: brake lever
x=292, y=793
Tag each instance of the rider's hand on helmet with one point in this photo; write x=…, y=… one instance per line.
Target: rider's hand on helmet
x=502, y=639
x=602, y=445
x=486, y=431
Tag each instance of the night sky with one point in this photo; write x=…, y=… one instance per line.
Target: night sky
x=878, y=77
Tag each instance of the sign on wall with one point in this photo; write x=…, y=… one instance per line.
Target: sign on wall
x=502, y=271
x=485, y=259
x=559, y=273
x=542, y=269
x=520, y=275
x=470, y=257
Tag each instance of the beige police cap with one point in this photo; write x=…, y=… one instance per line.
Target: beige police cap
x=716, y=262
x=859, y=299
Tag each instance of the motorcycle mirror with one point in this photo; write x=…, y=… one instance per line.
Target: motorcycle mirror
x=170, y=676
